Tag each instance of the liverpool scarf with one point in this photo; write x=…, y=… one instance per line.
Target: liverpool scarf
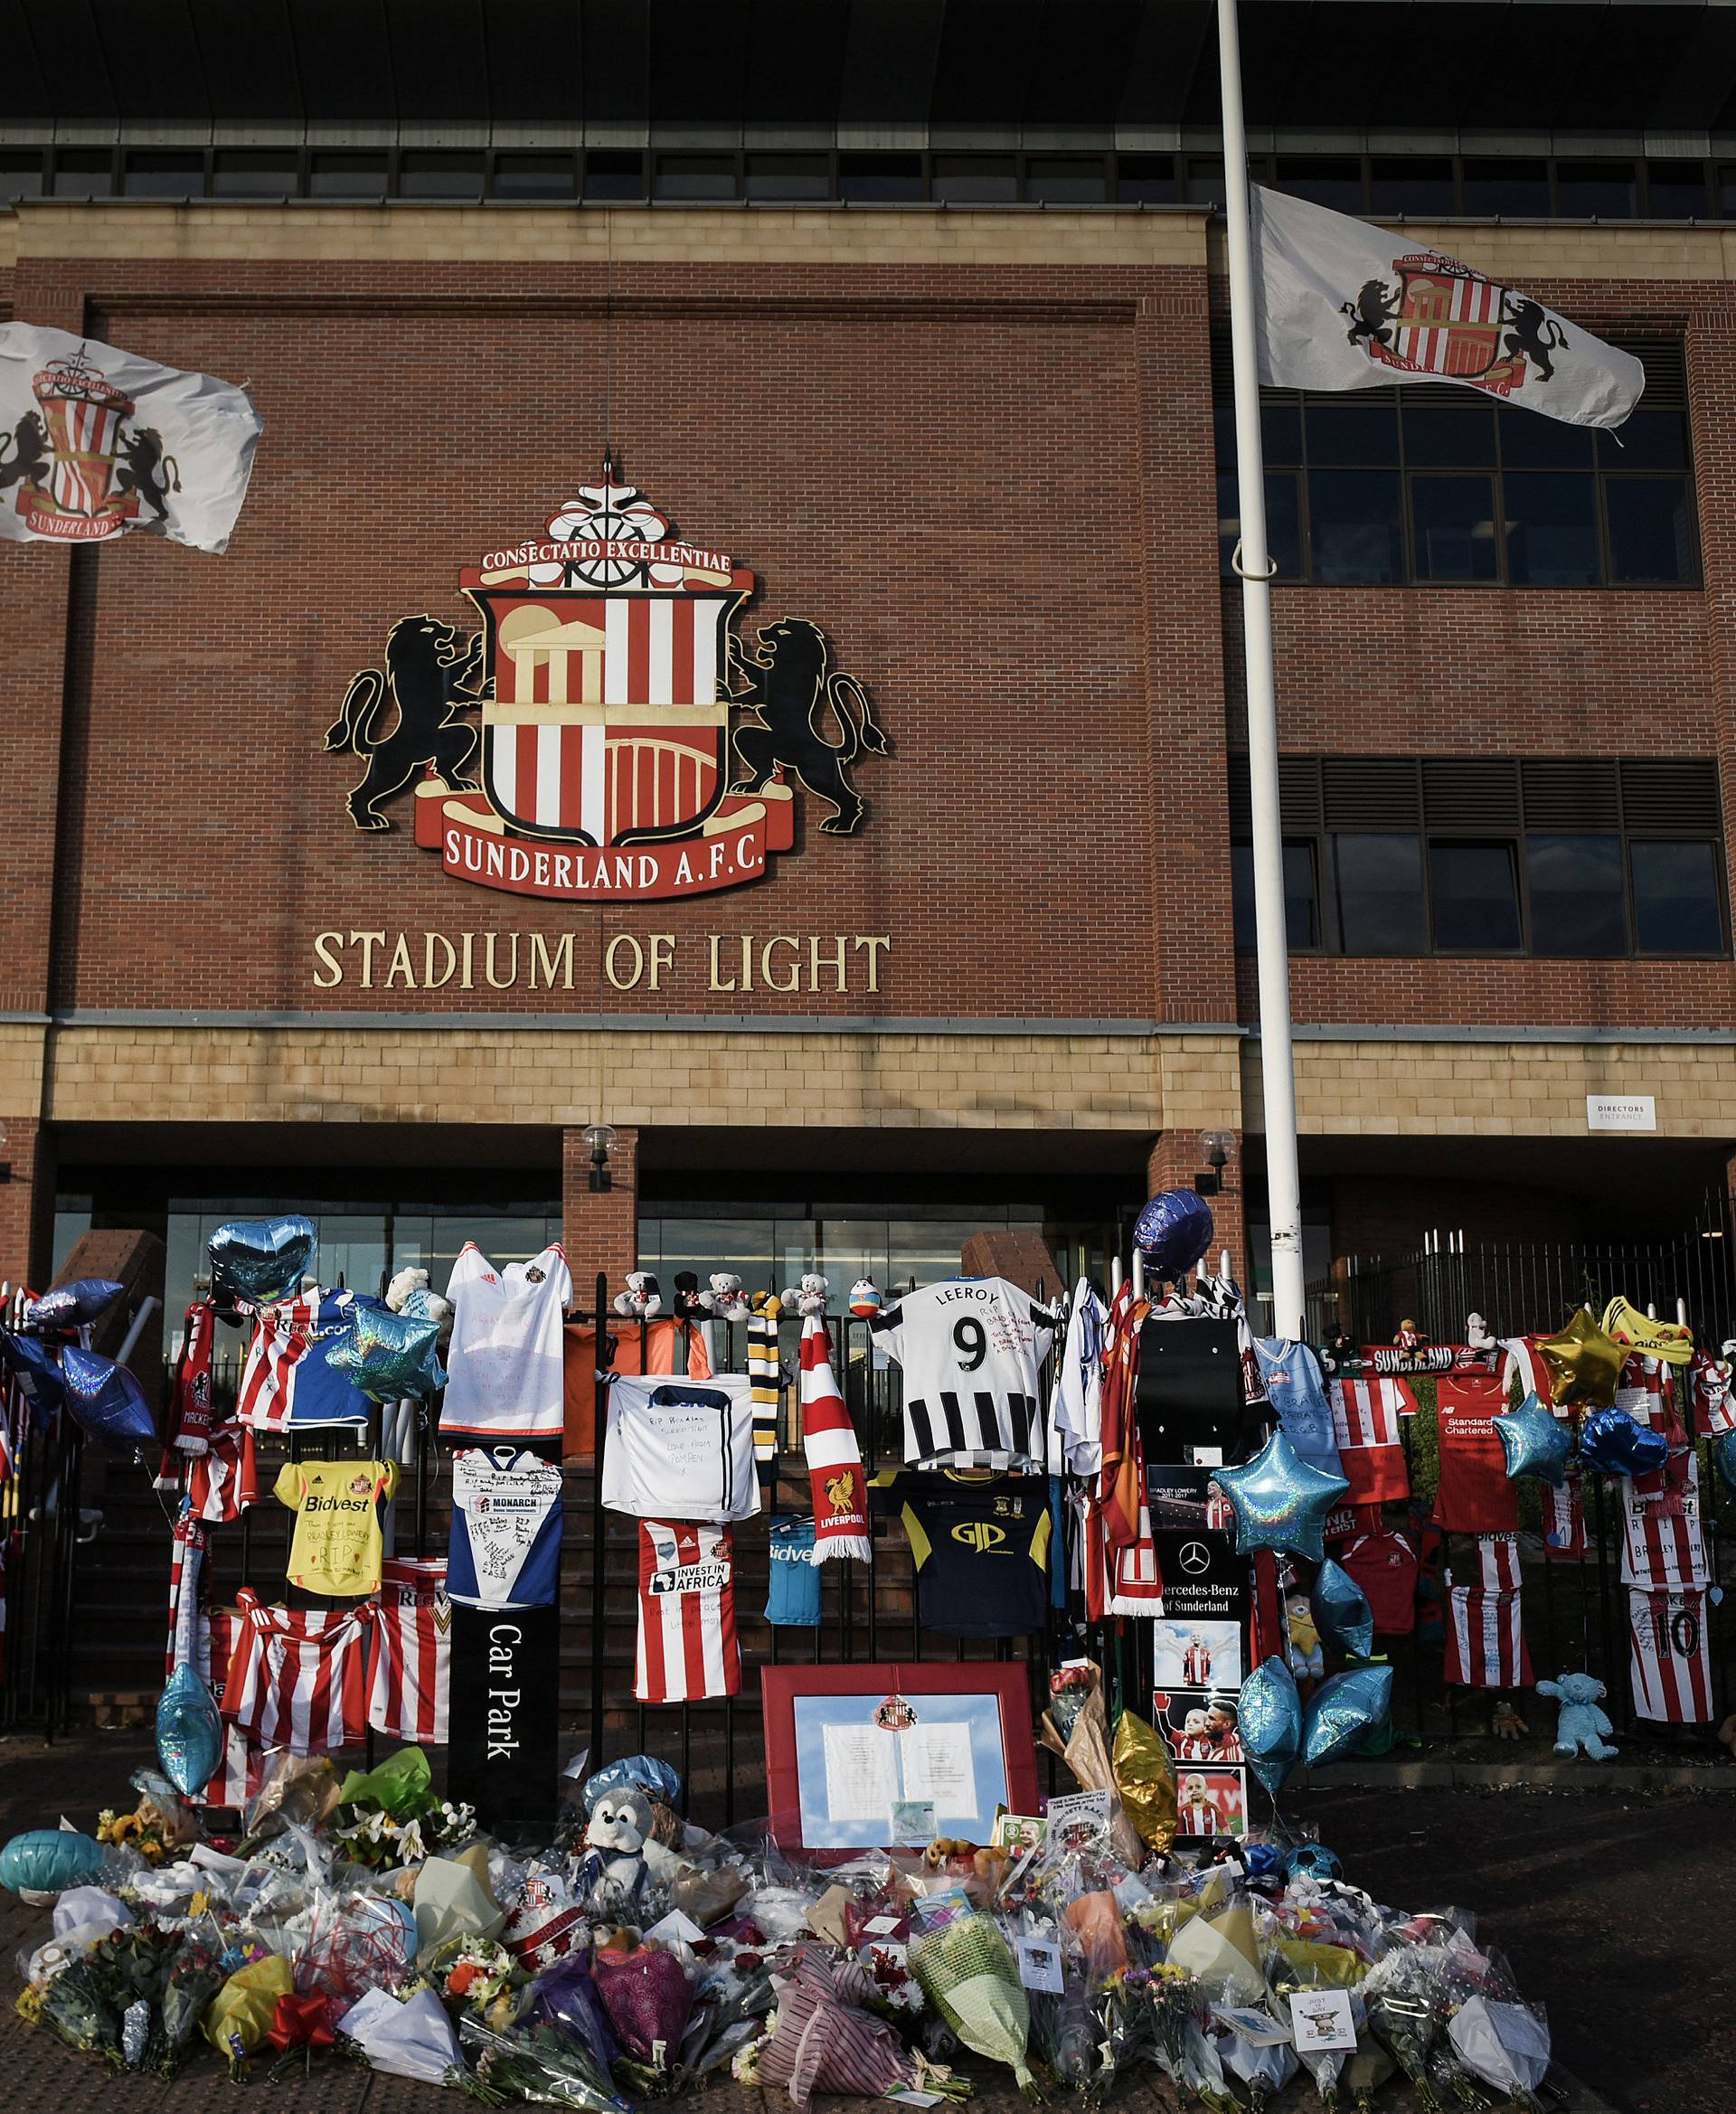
x=834, y=1459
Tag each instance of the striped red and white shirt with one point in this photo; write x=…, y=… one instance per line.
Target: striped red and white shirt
x=409, y=1690
x=222, y=1482
x=1486, y=1640
x=1497, y=1557
x=687, y=1642
x=1564, y=1520
x=1365, y=1416
x=1671, y=1662
x=287, y=1379
x=299, y=1678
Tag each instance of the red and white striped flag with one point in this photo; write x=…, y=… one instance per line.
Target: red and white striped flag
x=840, y=1491
x=1671, y=1664
x=1486, y=1642
x=299, y=1678
x=1365, y=1423
x=409, y=1695
x=687, y=1641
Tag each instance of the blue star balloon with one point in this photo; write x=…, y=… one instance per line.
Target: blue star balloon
x=261, y=1259
x=1536, y=1442
x=1342, y=1712
x=1612, y=1443
x=107, y=1400
x=189, y=1732
x=1723, y=1458
x=1341, y=1610
x=70, y=1306
x=1280, y=1501
x=38, y=1372
x=1269, y=1711
x=390, y=1355
x=1172, y=1232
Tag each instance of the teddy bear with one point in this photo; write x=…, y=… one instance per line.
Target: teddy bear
x=1580, y=1726
x=726, y=1299
x=407, y=1293
x=642, y=1299
x=612, y=1867
x=808, y=1296
x=1307, y=1660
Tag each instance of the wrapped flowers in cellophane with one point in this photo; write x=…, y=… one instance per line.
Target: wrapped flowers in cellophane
x=826, y=2039
x=968, y=1973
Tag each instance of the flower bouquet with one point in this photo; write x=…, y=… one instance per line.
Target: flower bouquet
x=541, y=2063
x=74, y=2006
x=191, y=1979
x=968, y=1972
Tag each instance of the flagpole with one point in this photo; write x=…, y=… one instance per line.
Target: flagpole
x=1253, y=563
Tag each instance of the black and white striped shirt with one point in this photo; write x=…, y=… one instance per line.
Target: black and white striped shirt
x=972, y=1350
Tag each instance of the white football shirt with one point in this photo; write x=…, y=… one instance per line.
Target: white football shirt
x=503, y=1365
x=681, y=1449
x=972, y=1350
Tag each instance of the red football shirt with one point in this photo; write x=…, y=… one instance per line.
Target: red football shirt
x=1474, y=1496
x=1385, y=1565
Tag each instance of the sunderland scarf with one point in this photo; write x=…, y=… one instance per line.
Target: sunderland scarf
x=833, y=1457
x=763, y=1373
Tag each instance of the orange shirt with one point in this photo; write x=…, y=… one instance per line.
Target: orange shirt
x=661, y=1349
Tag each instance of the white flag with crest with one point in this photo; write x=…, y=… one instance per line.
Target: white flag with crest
x=95, y=441
x=1344, y=305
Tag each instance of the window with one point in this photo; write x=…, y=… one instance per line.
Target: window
x=21, y=173
x=1473, y=897
x=1334, y=180
x=347, y=175
x=696, y=176
x=1509, y=189
x=880, y=179
x=440, y=175
x=264, y=172
x=1052, y=179
x=788, y=176
x=1144, y=179
x=1204, y=183
x=163, y=175
x=1410, y=184
x=614, y=172
x=1604, y=191
x=1675, y=191
x=1434, y=485
x=1301, y=895
x=1577, y=858
x=535, y=176
x=975, y=179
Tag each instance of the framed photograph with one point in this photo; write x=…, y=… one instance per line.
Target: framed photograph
x=1199, y=1725
x=846, y=1745
x=1196, y=1654
x=1211, y=1801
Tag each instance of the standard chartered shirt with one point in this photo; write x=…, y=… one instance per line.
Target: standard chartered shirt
x=972, y=1350
x=678, y=1448
x=506, y=1547
x=504, y=1368
x=336, y=1546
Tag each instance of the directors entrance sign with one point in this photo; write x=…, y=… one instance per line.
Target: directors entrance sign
x=606, y=736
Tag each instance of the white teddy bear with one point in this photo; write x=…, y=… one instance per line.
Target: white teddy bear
x=642, y=1299
x=808, y=1296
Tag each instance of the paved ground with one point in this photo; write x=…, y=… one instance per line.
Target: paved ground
x=1613, y=1907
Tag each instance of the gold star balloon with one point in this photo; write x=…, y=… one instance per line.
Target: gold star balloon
x=1584, y=1364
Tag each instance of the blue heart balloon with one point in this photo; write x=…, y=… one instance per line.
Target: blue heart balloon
x=261, y=1259
x=1723, y=1458
x=1280, y=1501
x=189, y=1732
x=1342, y=1712
x=107, y=1400
x=38, y=1372
x=391, y=1357
x=1172, y=1232
x=1536, y=1442
x=1341, y=1610
x=1612, y=1443
x=85, y=1299
x=1269, y=1711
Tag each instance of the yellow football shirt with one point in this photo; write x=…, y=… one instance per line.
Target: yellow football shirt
x=338, y=1545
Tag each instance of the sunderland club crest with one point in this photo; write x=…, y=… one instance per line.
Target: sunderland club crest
x=1444, y=318
x=606, y=734
x=82, y=468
